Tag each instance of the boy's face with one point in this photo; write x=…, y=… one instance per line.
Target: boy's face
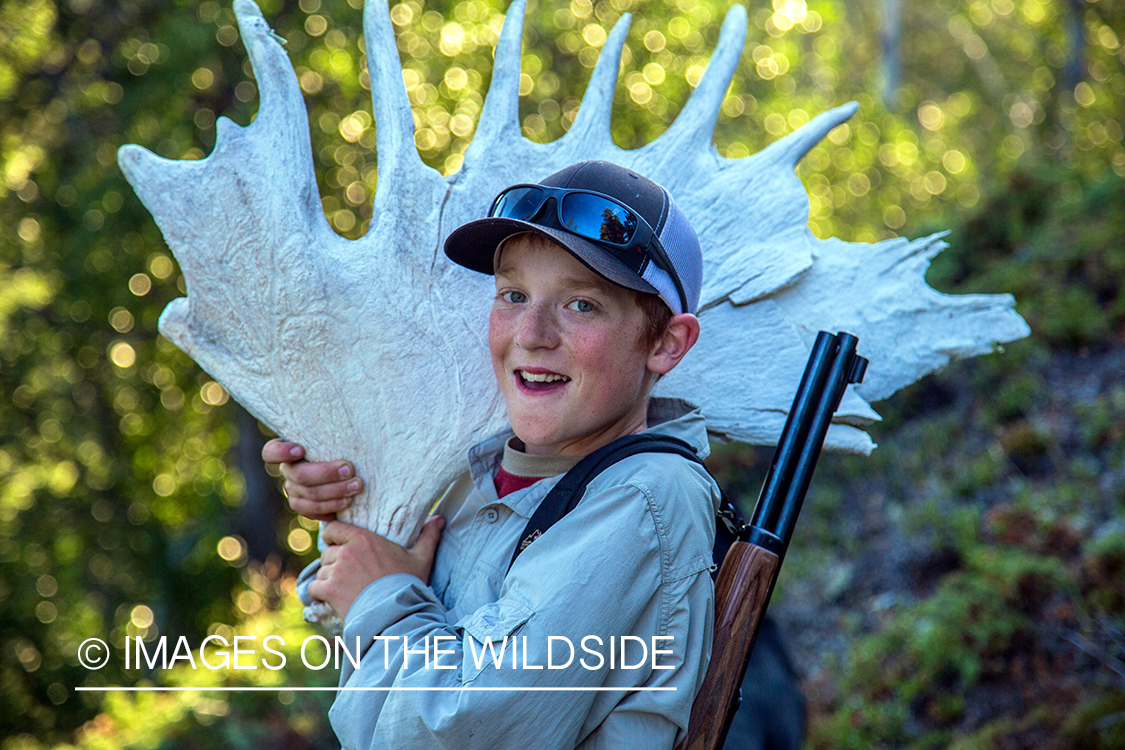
x=556, y=320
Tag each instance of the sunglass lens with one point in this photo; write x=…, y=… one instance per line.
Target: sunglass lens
x=597, y=218
x=519, y=203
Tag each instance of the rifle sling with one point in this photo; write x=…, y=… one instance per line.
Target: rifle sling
x=564, y=496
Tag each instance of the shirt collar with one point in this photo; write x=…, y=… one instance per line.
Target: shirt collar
x=666, y=416
x=681, y=419
x=520, y=464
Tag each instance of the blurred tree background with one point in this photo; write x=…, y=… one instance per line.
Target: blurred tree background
x=962, y=587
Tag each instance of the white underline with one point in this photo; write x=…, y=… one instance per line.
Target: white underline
x=370, y=689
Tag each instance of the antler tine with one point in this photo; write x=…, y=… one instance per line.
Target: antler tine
x=783, y=220
x=500, y=115
x=793, y=147
x=279, y=93
x=591, y=126
x=696, y=122
x=394, y=121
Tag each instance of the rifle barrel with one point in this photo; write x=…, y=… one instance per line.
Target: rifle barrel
x=837, y=381
x=794, y=434
x=749, y=572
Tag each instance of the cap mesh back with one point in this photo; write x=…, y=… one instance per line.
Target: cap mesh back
x=682, y=246
x=664, y=286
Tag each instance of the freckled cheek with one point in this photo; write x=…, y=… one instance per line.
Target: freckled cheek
x=499, y=337
x=600, y=354
x=586, y=350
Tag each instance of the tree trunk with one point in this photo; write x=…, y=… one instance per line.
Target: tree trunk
x=1075, y=69
x=890, y=37
x=256, y=520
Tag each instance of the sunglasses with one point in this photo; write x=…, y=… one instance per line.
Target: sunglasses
x=592, y=216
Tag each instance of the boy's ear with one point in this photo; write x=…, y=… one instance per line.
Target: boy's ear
x=678, y=339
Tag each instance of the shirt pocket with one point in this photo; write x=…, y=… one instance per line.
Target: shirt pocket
x=490, y=636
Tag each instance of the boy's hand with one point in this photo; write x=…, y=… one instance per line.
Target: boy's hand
x=356, y=557
x=316, y=490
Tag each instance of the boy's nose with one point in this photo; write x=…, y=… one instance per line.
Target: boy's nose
x=538, y=328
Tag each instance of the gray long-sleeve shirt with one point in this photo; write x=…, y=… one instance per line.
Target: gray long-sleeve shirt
x=631, y=560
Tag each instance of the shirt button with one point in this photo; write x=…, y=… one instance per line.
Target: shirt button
x=491, y=514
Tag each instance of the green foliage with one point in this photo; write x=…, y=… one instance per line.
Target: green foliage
x=1063, y=260
x=115, y=451
x=1099, y=726
x=1006, y=633
x=931, y=653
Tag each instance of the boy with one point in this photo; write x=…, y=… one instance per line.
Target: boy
x=594, y=301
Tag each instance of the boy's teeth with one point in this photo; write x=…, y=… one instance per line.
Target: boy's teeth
x=541, y=378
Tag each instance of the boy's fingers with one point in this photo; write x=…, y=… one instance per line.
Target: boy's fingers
x=325, y=492
x=338, y=532
x=318, y=510
x=314, y=473
x=279, y=451
x=322, y=502
x=318, y=590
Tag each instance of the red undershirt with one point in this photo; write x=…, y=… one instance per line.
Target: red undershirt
x=507, y=483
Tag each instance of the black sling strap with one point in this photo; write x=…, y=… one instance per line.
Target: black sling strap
x=565, y=495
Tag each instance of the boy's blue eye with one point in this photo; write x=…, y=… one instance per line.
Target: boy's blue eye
x=581, y=305
x=514, y=297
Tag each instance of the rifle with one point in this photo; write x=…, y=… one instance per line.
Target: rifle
x=749, y=570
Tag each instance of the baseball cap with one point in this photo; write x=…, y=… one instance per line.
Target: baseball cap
x=473, y=245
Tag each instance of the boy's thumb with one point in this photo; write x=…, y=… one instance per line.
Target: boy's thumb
x=428, y=540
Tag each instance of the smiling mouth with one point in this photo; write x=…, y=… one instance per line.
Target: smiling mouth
x=541, y=381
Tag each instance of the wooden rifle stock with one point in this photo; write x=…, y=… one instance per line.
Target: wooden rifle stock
x=751, y=566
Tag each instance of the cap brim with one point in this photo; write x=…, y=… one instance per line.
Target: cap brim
x=473, y=245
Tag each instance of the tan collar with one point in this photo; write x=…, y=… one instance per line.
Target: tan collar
x=520, y=464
